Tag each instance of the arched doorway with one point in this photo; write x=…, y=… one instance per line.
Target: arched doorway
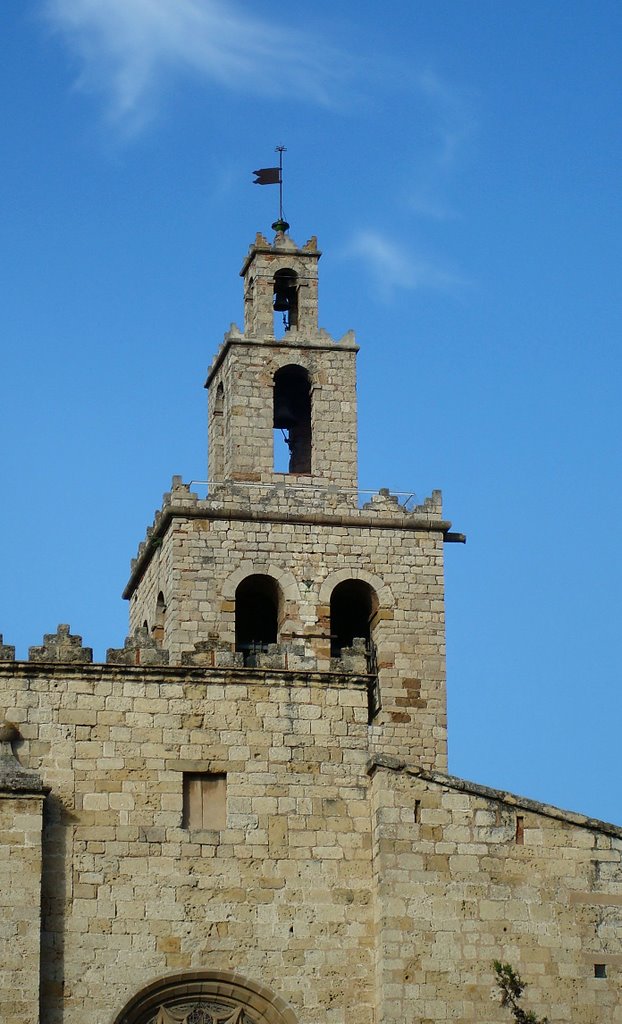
x=205, y=997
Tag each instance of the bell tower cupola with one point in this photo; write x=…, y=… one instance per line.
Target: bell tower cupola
x=280, y=283
x=283, y=378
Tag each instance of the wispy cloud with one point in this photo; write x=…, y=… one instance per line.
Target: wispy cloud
x=454, y=122
x=434, y=169
x=394, y=268
x=127, y=48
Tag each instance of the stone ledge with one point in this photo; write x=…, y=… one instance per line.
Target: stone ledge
x=175, y=674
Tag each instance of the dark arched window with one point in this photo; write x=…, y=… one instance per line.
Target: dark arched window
x=286, y=297
x=257, y=608
x=292, y=415
x=353, y=605
x=219, y=400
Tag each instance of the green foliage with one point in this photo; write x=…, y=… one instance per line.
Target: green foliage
x=511, y=987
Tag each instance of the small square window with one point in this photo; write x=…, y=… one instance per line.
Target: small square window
x=600, y=970
x=205, y=801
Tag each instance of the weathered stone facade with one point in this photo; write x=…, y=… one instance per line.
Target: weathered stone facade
x=243, y=817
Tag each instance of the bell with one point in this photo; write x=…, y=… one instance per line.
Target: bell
x=281, y=302
x=284, y=416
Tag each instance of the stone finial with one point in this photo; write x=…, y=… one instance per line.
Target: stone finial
x=62, y=648
x=7, y=652
x=138, y=649
x=14, y=778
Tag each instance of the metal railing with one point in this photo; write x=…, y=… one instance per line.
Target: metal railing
x=407, y=499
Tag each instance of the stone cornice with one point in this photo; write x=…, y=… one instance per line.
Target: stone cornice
x=353, y=521
x=322, y=341
x=176, y=674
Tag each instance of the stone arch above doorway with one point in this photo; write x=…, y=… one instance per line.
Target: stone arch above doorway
x=205, y=997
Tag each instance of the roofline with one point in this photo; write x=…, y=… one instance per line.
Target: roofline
x=396, y=765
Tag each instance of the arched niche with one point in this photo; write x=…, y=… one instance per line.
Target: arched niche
x=205, y=997
x=258, y=611
x=292, y=414
x=353, y=608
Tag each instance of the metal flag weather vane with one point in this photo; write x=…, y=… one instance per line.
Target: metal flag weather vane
x=274, y=176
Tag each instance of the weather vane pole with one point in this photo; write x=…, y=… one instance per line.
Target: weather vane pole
x=274, y=176
x=280, y=150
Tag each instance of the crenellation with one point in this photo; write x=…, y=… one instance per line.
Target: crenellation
x=7, y=651
x=62, y=647
x=139, y=649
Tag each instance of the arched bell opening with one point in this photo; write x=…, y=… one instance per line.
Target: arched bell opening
x=216, y=429
x=219, y=400
x=292, y=418
x=160, y=616
x=285, y=302
x=353, y=607
x=249, y=298
x=258, y=607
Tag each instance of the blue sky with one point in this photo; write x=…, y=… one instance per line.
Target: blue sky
x=460, y=164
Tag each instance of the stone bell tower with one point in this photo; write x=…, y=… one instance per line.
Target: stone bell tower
x=286, y=569
x=303, y=384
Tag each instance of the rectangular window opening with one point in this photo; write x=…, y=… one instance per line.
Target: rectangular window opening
x=520, y=830
x=204, y=801
x=600, y=970
x=417, y=811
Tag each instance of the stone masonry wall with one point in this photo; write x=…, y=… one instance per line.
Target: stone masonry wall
x=242, y=438
x=282, y=894
x=201, y=561
x=461, y=882
x=20, y=913
x=263, y=261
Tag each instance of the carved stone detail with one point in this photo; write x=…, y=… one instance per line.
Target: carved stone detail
x=201, y=1012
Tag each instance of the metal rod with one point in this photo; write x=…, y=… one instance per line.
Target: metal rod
x=280, y=150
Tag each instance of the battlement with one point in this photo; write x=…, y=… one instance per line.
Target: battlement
x=299, y=503
x=142, y=649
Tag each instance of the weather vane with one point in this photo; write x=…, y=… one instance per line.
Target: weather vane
x=274, y=176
